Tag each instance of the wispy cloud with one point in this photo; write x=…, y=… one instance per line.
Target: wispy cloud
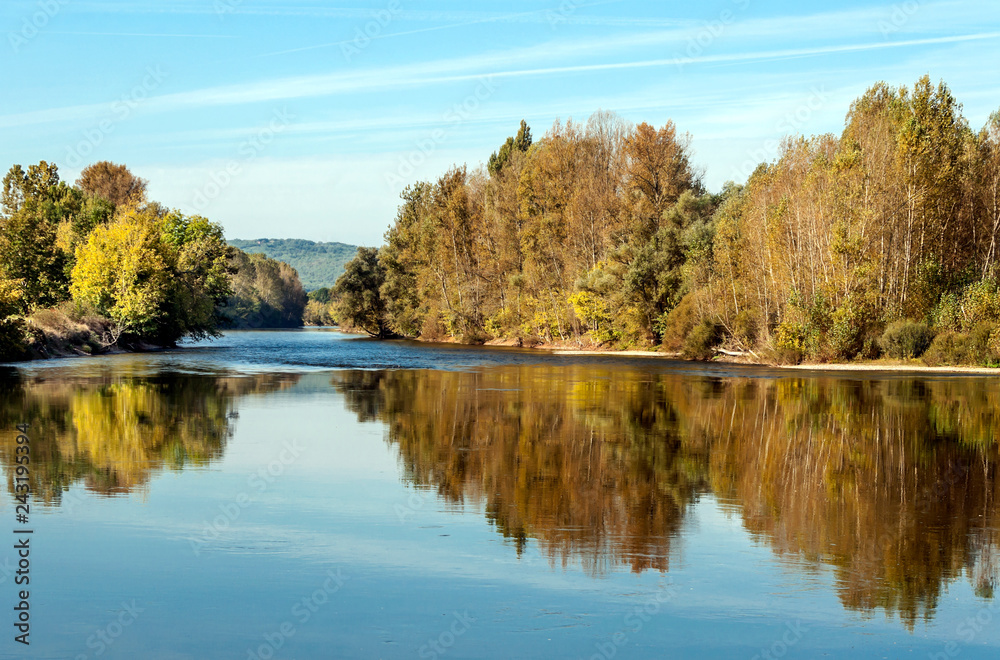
x=440, y=72
x=144, y=34
x=540, y=16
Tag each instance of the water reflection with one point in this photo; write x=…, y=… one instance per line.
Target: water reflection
x=114, y=432
x=892, y=483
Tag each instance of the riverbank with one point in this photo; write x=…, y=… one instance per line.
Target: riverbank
x=745, y=359
x=874, y=366
x=56, y=344
x=61, y=332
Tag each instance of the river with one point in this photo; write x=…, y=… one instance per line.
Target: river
x=308, y=494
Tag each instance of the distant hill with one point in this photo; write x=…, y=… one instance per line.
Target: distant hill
x=318, y=264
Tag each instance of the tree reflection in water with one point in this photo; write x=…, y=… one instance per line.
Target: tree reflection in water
x=890, y=482
x=113, y=434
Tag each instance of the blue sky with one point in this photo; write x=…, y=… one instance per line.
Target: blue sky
x=305, y=119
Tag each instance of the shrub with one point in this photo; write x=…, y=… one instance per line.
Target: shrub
x=792, y=336
x=677, y=324
x=980, y=303
x=783, y=355
x=947, y=314
x=993, y=346
x=12, y=327
x=948, y=348
x=871, y=350
x=432, y=329
x=850, y=325
x=593, y=311
x=528, y=340
x=804, y=327
x=12, y=338
x=474, y=335
x=906, y=339
x=978, y=349
x=701, y=341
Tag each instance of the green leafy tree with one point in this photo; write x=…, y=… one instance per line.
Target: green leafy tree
x=359, y=294
x=265, y=293
x=20, y=186
x=199, y=257
x=42, y=222
x=321, y=295
x=519, y=143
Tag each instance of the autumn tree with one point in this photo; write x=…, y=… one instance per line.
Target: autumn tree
x=409, y=286
x=123, y=271
x=11, y=320
x=659, y=171
x=987, y=190
x=604, y=231
x=112, y=182
x=158, y=277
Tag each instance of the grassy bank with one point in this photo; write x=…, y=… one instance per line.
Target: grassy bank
x=66, y=331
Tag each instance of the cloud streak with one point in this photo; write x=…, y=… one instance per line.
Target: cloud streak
x=143, y=34
x=441, y=72
x=540, y=16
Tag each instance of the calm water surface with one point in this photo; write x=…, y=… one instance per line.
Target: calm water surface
x=311, y=495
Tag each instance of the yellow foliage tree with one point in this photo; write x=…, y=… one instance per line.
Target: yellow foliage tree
x=11, y=323
x=123, y=272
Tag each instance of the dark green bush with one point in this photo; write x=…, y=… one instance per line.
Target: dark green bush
x=850, y=325
x=700, y=343
x=871, y=350
x=788, y=355
x=474, y=336
x=906, y=339
x=12, y=339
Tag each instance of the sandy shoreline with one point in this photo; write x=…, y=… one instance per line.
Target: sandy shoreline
x=853, y=367
x=848, y=367
x=890, y=367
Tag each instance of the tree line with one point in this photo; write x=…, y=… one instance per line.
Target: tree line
x=882, y=240
x=96, y=264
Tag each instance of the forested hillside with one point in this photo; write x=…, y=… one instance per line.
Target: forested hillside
x=266, y=293
x=880, y=240
x=318, y=264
